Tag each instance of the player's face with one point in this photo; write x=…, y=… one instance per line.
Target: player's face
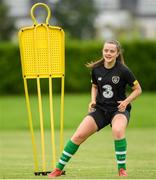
x=110, y=52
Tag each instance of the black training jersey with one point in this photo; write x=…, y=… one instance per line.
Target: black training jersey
x=111, y=85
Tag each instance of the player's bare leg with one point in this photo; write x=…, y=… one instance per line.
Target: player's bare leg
x=119, y=124
x=85, y=129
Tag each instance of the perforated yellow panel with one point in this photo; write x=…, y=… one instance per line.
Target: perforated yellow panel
x=42, y=51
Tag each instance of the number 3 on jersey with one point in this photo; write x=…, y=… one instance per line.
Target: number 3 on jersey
x=107, y=93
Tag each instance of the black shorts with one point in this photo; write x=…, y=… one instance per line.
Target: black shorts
x=104, y=118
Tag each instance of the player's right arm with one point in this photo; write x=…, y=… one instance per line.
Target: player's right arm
x=94, y=91
x=93, y=97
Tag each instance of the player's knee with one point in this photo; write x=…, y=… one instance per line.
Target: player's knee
x=78, y=138
x=118, y=132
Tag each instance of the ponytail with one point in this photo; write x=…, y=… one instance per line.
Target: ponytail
x=120, y=50
x=97, y=63
x=121, y=58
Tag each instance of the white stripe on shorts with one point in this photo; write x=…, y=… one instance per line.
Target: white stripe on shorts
x=120, y=152
x=67, y=154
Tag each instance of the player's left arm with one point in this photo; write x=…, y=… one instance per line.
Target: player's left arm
x=136, y=91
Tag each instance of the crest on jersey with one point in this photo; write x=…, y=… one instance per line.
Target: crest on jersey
x=99, y=78
x=115, y=79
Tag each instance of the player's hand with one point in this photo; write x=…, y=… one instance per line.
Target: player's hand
x=91, y=106
x=122, y=105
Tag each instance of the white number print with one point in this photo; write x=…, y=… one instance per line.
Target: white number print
x=107, y=93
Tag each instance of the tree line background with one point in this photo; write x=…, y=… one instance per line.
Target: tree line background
x=139, y=56
x=81, y=47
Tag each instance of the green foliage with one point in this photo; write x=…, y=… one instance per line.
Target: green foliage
x=11, y=79
x=76, y=17
x=7, y=23
x=77, y=55
x=139, y=56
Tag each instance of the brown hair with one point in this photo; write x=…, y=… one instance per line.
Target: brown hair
x=99, y=62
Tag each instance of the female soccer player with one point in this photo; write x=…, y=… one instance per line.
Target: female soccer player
x=109, y=105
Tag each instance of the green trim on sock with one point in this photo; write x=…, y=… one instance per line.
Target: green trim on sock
x=69, y=150
x=71, y=147
x=120, y=147
x=60, y=166
x=120, y=142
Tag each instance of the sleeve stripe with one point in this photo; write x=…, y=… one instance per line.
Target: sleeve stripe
x=135, y=82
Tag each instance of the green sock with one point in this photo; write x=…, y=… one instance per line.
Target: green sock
x=120, y=150
x=69, y=150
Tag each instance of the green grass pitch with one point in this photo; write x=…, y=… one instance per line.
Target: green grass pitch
x=95, y=158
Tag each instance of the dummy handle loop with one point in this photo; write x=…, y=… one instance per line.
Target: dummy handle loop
x=46, y=7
